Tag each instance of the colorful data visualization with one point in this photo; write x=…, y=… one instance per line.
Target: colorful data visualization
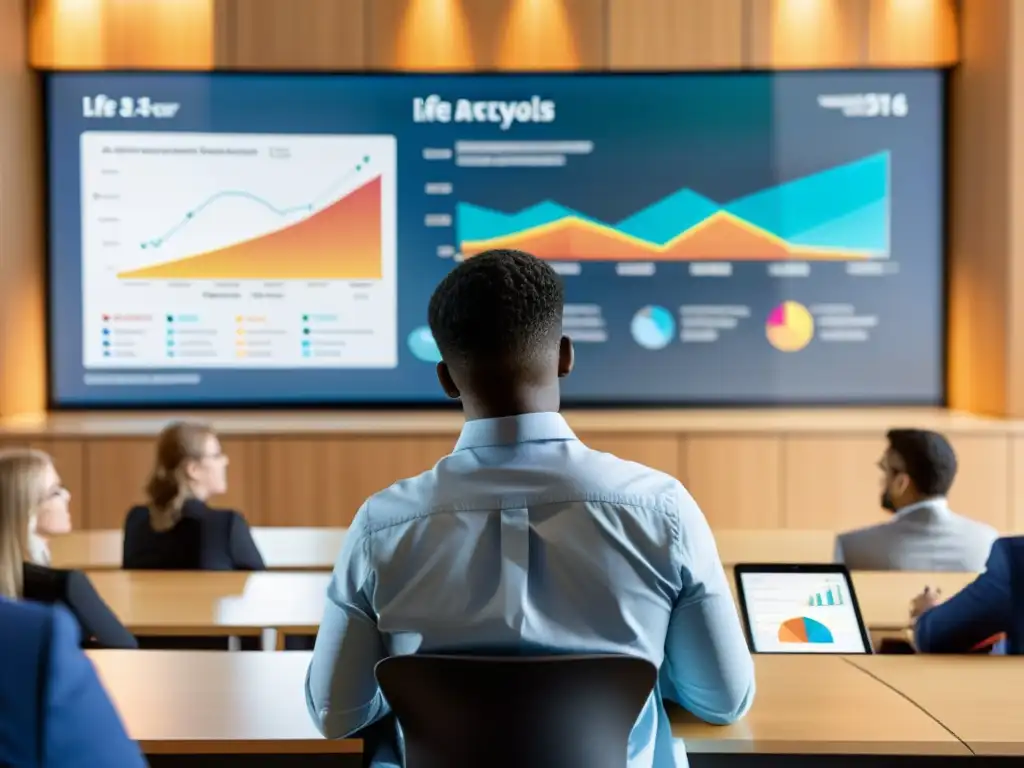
x=274, y=239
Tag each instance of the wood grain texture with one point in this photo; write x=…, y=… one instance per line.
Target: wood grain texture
x=455, y=35
x=806, y=34
x=22, y=284
x=675, y=34
x=735, y=479
x=115, y=473
x=750, y=470
x=290, y=34
x=981, y=490
x=832, y=482
x=986, y=254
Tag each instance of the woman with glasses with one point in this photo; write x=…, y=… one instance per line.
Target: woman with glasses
x=33, y=507
x=177, y=529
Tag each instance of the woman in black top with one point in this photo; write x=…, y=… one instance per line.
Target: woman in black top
x=176, y=530
x=33, y=506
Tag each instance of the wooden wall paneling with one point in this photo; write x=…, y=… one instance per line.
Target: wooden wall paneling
x=290, y=34
x=675, y=34
x=912, y=34
x=295, y=474
x=981, y=490
x=455, y=35
x=986, y=254
x=735, y=479
x=116, y=471
x=660, y=452
x=22, y=320
x=122, y=34
x=806, y=34
x=245, y=475
x=832, y=481
x=362, y=466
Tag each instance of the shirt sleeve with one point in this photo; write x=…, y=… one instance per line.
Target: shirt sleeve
x=708, y=668
x=245, y=555
x=978, y=612
x=99, y=624
x=81, y=728
x=342, y=695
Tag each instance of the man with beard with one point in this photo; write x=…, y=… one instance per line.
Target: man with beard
x=924, y=534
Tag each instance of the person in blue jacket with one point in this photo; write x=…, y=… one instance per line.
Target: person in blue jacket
x=988, y=610
x=54, y=713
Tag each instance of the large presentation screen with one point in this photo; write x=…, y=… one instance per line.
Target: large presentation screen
x=249, y=239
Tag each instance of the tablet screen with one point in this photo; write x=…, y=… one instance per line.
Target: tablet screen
x=801, y=613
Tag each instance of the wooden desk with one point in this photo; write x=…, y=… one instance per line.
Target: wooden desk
x=978, y=698
x=218, y=703
x=820, y=705
x=283, y=549
x=196, y=702
x=221, y=603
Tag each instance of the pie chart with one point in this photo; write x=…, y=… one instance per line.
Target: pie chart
x=804, y=630
x=653, y=327
x=790, y=327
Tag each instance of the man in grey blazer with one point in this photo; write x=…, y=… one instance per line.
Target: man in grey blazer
x=924, y=534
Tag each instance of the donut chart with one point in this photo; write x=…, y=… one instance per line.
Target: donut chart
x=789, y=327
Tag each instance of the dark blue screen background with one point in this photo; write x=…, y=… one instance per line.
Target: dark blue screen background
x=722, y=135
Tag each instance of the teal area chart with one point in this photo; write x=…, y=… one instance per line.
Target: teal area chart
x=841, y=213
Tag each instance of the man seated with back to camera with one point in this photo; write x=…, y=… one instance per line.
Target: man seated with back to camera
x=524, y=539
x=924, y=534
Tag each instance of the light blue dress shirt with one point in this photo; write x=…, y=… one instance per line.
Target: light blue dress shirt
x=524, y=537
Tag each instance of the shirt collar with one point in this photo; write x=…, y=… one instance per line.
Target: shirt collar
x=511, y=430
x=936, y=503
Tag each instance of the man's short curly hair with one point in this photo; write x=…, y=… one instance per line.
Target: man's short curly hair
x=501, y=306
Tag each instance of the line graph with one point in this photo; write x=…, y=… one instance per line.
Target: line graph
x=205, y=250
x=309, y=207
x=181, y=206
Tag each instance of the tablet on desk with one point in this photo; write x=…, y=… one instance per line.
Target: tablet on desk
x=800, y=609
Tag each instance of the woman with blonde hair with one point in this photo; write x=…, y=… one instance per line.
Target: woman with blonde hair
x=176, y=529
x=34, y=506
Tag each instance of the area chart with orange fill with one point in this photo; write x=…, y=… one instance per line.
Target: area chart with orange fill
x=339, y=242
x=839, y=213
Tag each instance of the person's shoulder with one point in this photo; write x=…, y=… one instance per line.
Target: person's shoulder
x=867, y=532
x=977, y=526
x=19, y=617
x=1012, y=547
x=137, y=515
x=42, y=582
x=603, y=470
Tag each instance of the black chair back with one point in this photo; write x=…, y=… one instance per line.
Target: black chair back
x=516, y=711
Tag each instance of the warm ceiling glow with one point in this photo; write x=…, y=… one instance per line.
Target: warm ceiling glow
x=434, y=34
x=67, y=33
x=537, y=34
x=910, y=32
x=807, y=32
